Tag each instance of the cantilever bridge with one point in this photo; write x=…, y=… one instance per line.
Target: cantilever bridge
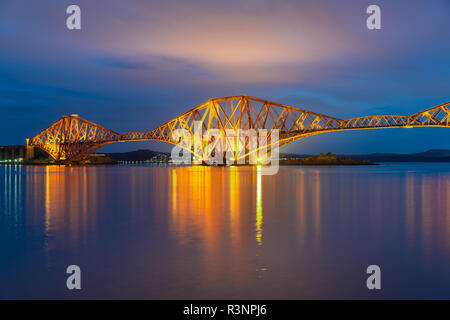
x=72, y=138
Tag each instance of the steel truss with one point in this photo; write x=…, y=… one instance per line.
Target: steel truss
x=72, y=138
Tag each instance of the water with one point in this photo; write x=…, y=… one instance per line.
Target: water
x=225, y=233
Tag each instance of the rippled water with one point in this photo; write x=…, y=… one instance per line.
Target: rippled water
x=206, y=232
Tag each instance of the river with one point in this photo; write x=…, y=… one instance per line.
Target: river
x=158, y=232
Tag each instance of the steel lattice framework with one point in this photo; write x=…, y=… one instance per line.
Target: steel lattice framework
x=72, y=138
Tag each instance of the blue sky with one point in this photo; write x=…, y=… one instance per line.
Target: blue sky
x=136, y=64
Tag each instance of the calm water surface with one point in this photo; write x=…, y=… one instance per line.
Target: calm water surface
x=227, y=233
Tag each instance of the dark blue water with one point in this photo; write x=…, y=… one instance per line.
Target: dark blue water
x=228, y=233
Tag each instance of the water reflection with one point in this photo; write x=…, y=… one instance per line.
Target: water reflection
x=235, y=201
x=259, y=217
x=207, y=232
x=69, y=192
x=11, y=200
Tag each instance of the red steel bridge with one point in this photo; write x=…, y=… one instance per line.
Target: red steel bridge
x=72, y=138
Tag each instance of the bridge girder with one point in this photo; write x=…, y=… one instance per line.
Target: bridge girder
x=72, y=138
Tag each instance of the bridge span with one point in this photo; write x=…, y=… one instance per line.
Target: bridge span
x=72, y=138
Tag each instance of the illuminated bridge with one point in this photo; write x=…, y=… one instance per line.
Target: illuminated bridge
x=72, y=138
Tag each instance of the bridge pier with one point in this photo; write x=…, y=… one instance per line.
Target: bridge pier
x=29, y=150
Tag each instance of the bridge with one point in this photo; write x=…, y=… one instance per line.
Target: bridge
x=72, y=138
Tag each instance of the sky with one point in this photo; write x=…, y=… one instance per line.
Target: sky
x=136, y=64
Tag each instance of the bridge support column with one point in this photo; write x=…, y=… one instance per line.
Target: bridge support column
x=30, y=150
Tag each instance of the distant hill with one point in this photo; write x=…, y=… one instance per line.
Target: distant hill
x=436, y=155
x=140, y=155
x=328, y=159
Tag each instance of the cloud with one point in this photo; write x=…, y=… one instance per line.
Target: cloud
x=170, y=55
x=223, y=41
